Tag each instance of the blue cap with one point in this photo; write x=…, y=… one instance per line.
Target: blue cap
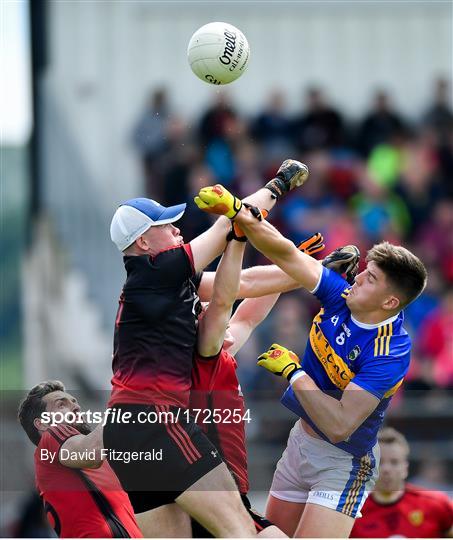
x=136, y=216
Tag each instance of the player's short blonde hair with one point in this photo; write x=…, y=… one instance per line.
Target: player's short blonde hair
x=404, y=271
x=389, y=435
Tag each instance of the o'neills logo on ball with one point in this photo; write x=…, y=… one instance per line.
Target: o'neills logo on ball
x=230, y=46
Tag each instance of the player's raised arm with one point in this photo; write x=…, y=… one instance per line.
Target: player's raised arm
x=259, y=281
x=210, y=244
x=213, y=324
x=299, y=266
x=266, y=238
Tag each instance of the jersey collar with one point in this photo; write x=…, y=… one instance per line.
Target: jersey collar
x=373, y=326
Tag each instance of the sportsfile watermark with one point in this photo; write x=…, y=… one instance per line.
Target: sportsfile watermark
x=115, y=415
x=268, y=418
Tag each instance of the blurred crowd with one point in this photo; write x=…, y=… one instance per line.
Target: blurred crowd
x=383, y=176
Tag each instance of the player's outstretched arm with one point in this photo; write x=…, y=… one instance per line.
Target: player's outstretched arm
x=79, y=449
x=270, y=279
x=266, y=238
x=299, y=266
x=209, y=245
x=212, y=326
x=255, y=282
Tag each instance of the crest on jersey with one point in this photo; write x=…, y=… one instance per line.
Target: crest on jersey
x=354, y=353
x=416, y=518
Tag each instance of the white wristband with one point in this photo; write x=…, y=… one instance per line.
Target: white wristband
x=297, y=375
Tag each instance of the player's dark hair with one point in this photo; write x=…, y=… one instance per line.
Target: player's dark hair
x=389, y=435
x=404, y=271
x=33, y=406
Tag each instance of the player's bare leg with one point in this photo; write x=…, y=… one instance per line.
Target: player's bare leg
x=322, y=522
x=215, y=503
x=167, y=521
x=285, y=514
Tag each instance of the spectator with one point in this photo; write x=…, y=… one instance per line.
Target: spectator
x=216, y=121
x=435, y=239
x=439, y=115
x=150, y=141
x=271, y=128
x=382, y=214
x=419, y=184
x=320, y=126
x=219, y=128
x=380, y=124
x=315, y=206
x=386, y=160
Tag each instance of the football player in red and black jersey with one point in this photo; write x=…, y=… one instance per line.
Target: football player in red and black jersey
x=155, y=335
x=396, y=508
x=82, y=496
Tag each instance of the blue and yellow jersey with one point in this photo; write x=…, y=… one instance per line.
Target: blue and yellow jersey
x=341, y=349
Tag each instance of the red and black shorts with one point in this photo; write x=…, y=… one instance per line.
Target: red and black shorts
x=156, y=461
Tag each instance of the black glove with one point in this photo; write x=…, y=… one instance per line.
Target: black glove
x=344, y=260
x=291, y=174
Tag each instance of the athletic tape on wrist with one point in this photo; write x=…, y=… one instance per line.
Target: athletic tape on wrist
x=297, y=375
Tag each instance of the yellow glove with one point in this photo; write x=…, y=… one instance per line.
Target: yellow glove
x=280, y=361
x=217, y=200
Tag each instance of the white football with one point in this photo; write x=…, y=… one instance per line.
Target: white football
x=218, y=53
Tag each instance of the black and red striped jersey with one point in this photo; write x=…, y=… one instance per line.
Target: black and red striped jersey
x=155, y=329
x=215, y=387
x=81, y=503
